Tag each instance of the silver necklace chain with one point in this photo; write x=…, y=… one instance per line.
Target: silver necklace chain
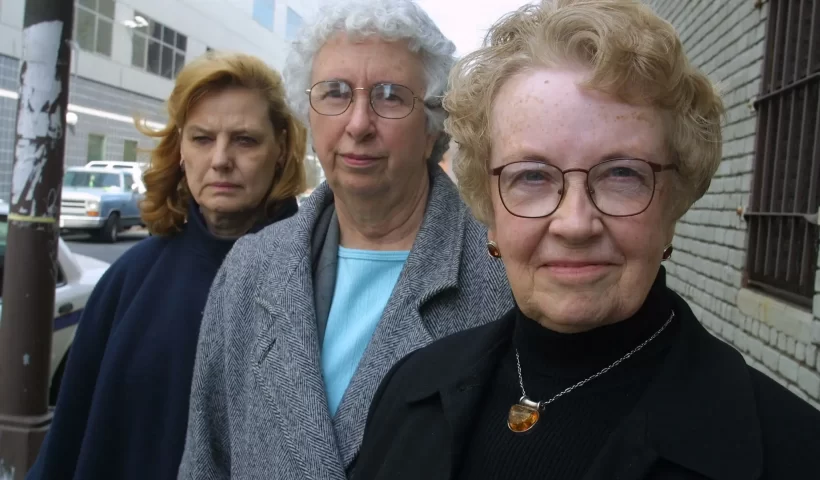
x=614, y=364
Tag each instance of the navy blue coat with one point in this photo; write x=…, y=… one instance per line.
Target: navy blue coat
x=122, y=411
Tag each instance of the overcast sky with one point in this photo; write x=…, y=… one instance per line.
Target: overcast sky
x=465, y=22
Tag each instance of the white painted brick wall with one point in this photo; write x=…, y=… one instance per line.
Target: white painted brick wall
x=726, y=39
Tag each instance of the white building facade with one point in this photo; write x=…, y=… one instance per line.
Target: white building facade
x=126, y=54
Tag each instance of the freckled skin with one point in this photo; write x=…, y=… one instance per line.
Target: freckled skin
x=577, y=129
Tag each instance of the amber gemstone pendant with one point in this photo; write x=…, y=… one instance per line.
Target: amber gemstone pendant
x=523, y=415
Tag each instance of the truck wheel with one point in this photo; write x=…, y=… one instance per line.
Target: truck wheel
x=111, y=230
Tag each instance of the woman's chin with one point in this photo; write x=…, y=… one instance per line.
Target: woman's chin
x=568, y=313
x=224, y=206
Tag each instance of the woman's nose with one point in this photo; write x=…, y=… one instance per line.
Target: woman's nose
x=577, y=218
x=360, y=121
x=221, y=154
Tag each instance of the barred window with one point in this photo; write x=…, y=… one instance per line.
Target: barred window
x=783, y=213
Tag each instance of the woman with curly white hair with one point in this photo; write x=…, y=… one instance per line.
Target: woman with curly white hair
x=305, y=319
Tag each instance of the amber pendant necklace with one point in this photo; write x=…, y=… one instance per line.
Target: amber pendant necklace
x=526, y=413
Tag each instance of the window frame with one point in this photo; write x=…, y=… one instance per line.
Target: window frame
x=176, y=47
x=99, y=18
x=291, y=30
x=262, y=9
x=136, y=145
x=102, y=147
x=783, y=215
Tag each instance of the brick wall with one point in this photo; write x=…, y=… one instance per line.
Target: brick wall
x=84, y=93
x=726, y=39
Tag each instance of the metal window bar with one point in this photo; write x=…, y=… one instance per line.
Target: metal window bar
x=783, y=219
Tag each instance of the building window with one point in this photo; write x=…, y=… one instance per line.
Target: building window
x=293, y=26
x=263, y=12
x=96, y=147
x=129, y=150
x=94, y=25
x=783, y=223
x=158, y=49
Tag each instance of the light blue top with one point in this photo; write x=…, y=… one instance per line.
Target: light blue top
x=364, y=283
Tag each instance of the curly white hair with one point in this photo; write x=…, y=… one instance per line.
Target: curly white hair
x=390, y=20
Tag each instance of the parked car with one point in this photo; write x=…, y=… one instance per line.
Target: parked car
x=76, y=277
x=99, y=200
x=136, y=169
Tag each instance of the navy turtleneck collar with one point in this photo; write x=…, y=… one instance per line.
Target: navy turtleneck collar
x=205, y=243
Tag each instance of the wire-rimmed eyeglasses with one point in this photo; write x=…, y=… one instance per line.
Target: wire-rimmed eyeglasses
x=620, y=187
x=388, y=100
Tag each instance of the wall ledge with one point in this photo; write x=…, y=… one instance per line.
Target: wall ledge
x=794, y=321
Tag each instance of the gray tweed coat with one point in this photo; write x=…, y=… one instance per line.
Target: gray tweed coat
x=258, y=405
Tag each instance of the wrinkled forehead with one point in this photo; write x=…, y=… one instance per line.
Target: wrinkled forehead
x=365, y=61
x=230, y=108
x=549, y=113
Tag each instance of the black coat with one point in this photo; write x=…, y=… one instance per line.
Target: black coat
x=706, y=415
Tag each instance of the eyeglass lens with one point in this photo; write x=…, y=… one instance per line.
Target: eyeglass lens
x=387, y=99
x=621, y=187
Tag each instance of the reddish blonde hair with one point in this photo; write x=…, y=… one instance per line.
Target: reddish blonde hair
x=165, y=207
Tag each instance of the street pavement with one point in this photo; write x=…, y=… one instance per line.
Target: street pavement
x=107, y=252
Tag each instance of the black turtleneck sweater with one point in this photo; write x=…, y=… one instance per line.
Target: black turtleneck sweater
x=122, y=412
x=572, y=430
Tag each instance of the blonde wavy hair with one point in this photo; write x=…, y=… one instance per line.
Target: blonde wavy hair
x=165, y=207
x=630, y=52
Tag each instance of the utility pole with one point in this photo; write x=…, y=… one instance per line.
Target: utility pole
x=26, y=325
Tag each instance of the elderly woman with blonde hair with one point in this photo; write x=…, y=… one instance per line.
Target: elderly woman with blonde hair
x=584, y=135
x=228, y=163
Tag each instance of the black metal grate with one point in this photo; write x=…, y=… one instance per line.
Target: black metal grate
x=783, y=216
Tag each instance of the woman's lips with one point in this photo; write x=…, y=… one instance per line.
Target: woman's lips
x=577, y=271
x=360, y=160
x=224, y=186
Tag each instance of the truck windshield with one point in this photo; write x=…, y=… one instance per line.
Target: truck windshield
x=91, y=180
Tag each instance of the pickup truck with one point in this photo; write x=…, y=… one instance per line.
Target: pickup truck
x=100, y=201
x=136, y=169
x=76, y=278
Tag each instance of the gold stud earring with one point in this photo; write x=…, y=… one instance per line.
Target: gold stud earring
x=492, y=249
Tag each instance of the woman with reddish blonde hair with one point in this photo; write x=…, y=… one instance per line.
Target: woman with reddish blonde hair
x=228, y=163
x=169, y=189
